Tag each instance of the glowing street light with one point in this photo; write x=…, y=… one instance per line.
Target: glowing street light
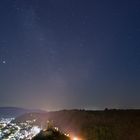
x=75, y=138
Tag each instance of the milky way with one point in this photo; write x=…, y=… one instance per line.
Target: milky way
x=69, y=54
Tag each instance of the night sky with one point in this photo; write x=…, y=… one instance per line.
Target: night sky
x=65, y=54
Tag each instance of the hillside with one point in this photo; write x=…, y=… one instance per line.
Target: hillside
x=92, y=125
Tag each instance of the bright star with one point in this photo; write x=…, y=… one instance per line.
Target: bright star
x=4, y=62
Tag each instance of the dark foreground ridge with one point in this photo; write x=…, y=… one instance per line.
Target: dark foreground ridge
x=51, y=134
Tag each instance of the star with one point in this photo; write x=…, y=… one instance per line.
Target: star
x=4, y=62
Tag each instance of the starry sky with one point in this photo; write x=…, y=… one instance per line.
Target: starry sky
x=65, y=54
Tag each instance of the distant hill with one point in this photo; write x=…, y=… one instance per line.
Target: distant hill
x=15, y=112
x=92, y=125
